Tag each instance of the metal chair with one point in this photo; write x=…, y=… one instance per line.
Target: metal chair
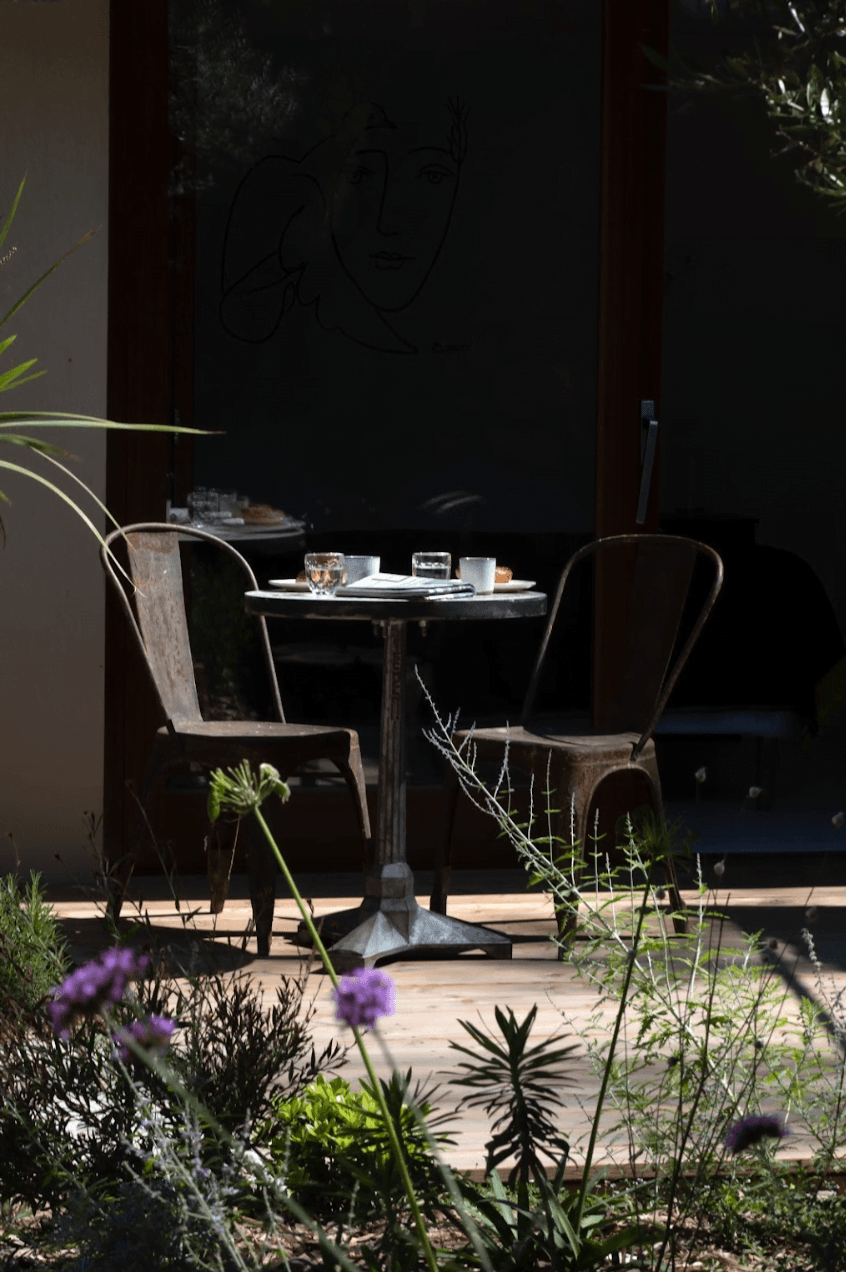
x=159, y=623
x=572, y=755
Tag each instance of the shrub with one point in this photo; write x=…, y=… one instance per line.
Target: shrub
x=69, y=1114
x=333, y=1151
x=33, y=955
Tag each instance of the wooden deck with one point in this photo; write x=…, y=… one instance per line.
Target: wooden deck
x=433, y=994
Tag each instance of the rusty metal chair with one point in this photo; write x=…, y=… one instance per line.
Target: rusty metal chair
x=157, y=617
x=569, y=754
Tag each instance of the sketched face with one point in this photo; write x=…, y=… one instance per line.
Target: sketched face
x=391, y=211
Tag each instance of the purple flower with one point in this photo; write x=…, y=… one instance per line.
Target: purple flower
x=153, y=1033
x=94, y=987
x=363, y=996
x=752, y=1129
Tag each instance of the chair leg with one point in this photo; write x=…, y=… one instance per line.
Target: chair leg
x=566, y=916
x=261, y=875
x=679, y=916
x=668, y=865
x=353, y=775
x=443, y=849
x=118, y=872
x=116, y=877
x=219, y=859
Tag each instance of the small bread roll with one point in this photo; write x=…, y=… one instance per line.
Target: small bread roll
x=262, y=514
x=503, y=574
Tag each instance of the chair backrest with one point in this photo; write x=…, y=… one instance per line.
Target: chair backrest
x=652, y=574
x=155, y=607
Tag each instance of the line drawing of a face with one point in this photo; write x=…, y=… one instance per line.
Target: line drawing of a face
x=365, y=213
x=391, y=210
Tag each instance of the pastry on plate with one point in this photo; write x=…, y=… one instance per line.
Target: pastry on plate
x=262, y=515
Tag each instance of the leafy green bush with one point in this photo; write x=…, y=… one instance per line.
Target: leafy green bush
x=333, y=1149
x=33, y=955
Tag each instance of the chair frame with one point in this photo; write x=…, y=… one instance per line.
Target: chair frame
x=539, y=750
x=215, y=742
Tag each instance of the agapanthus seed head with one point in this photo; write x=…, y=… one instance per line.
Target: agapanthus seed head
x=720, y=868
x=755, y=791
x=752, y=1129
x=837, y=820
x=660, y=894
x=701, y=775
x=363, y=996
x=93, y=988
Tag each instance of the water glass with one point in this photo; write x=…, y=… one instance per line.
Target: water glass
x=325, y=572
x=202, y=506
x=431, y=565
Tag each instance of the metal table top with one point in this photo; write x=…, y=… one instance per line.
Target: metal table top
x=499, y=605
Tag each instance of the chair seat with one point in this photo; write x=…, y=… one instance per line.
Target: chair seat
x=256, y=730
x=578, y=740
x=297, y=742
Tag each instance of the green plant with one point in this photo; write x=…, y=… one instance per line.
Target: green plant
x=240, y=793
x=520, y=1084
x=330, y=1138
x=701, y=1035
x=795, y=63
x=69, y=1113
x=33, y=954
x=539, y=1221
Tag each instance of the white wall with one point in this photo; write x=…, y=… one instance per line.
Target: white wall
x=54, y=108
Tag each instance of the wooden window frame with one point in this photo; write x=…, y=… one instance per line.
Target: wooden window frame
x=150, y=355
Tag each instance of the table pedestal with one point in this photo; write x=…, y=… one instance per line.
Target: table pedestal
x=389, y=920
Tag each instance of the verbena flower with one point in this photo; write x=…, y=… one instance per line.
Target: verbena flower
x=363, y=996
x=154, y=1033
x=752, y=1129
x=95, y=986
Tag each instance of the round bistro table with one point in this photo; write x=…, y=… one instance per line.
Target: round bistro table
x=389, y=921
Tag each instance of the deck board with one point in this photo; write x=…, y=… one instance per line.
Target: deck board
x=433, y=994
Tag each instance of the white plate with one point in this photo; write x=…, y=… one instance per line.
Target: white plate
x=515, y=585
x=288, y=585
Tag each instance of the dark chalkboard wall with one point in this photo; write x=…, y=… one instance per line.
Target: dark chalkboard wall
x=396, y=264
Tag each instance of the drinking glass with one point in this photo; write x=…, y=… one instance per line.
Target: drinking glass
x=202, y=506
x=431, y=565
x=325, y=572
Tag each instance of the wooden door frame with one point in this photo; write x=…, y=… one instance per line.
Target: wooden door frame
x=631, y=285
x=150, y=360
x=150, y=341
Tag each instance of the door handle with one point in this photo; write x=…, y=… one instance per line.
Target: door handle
x=648, y=440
